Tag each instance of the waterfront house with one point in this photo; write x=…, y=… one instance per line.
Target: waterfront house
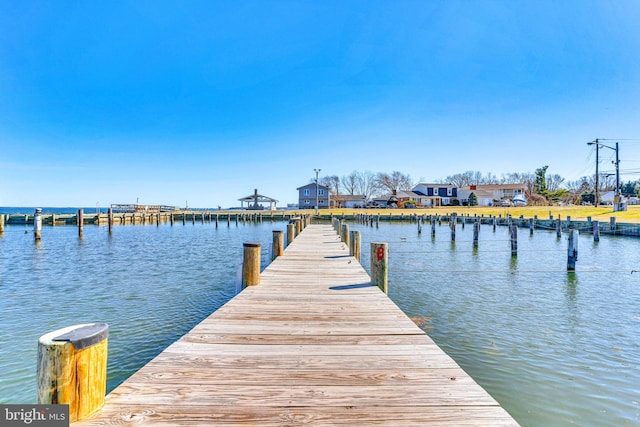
x=430, y=195
x=348, y=201
x=502, y=191
x=483, y=197
x=308, y=194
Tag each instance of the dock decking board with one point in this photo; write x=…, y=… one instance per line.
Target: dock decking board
x=314, y=343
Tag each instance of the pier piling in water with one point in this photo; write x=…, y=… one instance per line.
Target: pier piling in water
x=80, y=221
x=37, y=224
x=514, y=240
x=572, y=250
x=596, y=231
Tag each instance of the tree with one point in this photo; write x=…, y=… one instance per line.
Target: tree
x=349, y=183
x=367, y=184
x=541, y=181
x=473, y=200
x=630, y=189
x=554, y=182
x=331, y=181
x=394, y=181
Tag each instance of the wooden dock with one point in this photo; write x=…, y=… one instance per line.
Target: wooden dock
x=313, y=343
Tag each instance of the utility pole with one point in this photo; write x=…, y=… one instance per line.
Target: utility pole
x=317, y=171
x=597, y=174
x=597, y=143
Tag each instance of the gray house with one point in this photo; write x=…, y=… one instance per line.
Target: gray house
x=307, y=196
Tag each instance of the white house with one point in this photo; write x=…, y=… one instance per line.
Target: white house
x=483, y=197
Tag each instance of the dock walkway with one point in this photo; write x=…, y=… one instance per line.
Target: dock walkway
x=313, y=343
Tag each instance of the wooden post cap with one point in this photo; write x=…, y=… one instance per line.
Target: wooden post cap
x=82, y=336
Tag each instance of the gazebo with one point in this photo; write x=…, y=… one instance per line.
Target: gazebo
x=254, y=201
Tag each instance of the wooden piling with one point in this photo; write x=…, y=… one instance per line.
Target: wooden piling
x=277, y=248
x=495, y=222
x=72, y=368
x=572, y=251
x=345, y=234
x=514, y=240
x=110, y=220
x=596, y=231
x=433, y=228
x=380, y=265
x=1, y=223
x=558, y=227
x=612, y=223
x=476, y=232
x=290, y=233
x=354, y=245
x=251, y=264
x=452, y=224
x=419, y=225
x=37, y=224
x=80, y=220
x=531, y=226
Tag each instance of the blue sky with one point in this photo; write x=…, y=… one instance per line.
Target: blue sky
x=203, y=101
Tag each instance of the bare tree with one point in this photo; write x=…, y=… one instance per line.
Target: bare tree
x=331, y=181
x=460, y=179
x=349, y=182
x=554, y=182
x=468, y=178
x=394, y=181
x=367, y=184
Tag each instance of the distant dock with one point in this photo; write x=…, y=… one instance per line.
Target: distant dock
x=313, y=343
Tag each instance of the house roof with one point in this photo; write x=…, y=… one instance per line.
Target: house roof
x=491, y=187
x=257, y=198
x=433, y=184
x=312, y=185
x=463, y=193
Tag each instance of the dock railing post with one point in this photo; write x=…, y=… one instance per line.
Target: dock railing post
x=354, y=245
x=37, y=224
x=572, y=251
x=345, y=234
x=277, y=244
x=251, y=265
x=72, y=368
x=290, y=233
x=380, y=265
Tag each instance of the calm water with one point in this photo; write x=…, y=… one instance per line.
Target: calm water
x=555, y=349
